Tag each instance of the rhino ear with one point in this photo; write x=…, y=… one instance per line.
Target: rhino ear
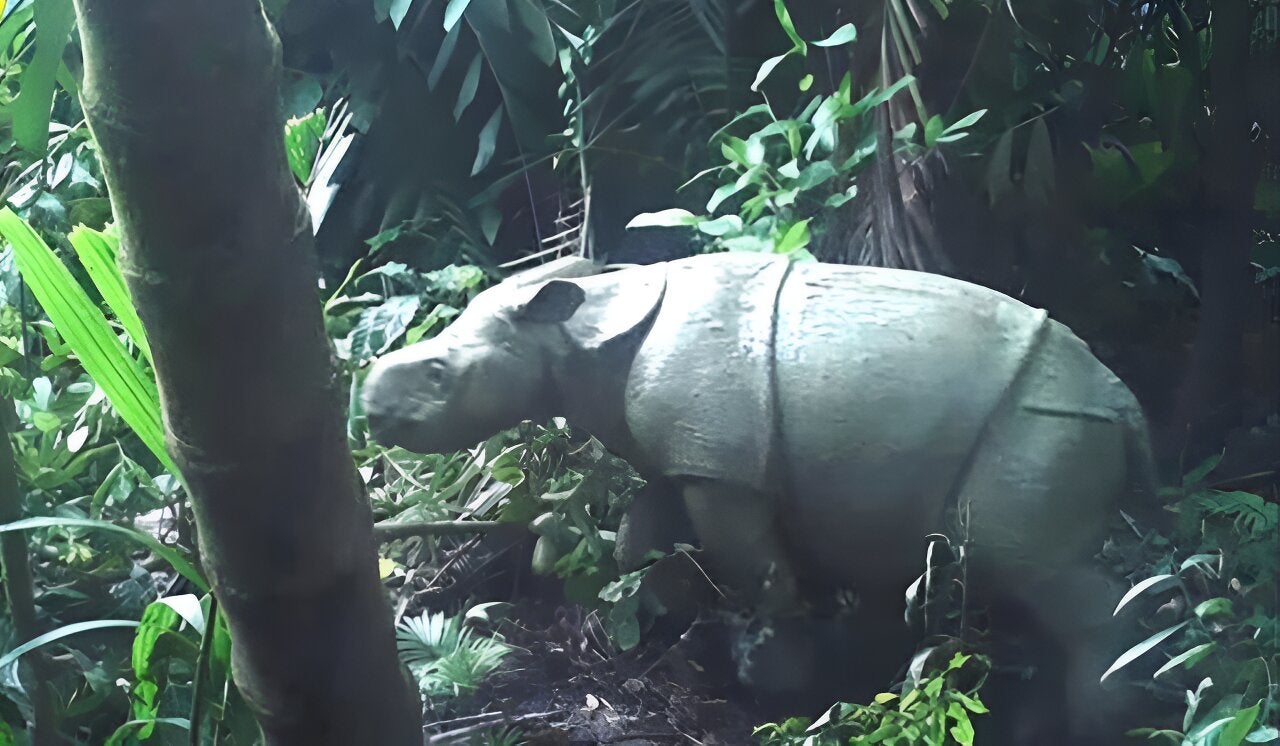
x=554, y=302
x=618, y=303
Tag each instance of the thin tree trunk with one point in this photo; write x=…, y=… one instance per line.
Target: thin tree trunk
x=182, y=96
x=1209, y=399
x=20, y=593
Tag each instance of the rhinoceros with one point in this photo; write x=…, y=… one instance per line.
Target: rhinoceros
x=818, y=420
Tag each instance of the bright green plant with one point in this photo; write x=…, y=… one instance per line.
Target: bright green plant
x=79, y=320
x=444, y=656
x=1216, y=576
x=782, y=174
x=937, y=712
x=302, y=137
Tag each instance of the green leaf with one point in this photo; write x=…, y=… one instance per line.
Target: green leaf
x=1214, y=607
x=789, y=26
x=965, y=122
x=806, y=82
x=1239, y=727
x=1142, y=648
x=31, y=109
x=130, y=390
x=488, y=141
x=1154, y=583
x=842, y=35
x=932, y=130
x=98, y=252
x=1187, y=658
x=442, y=57
x=59, y=633
x=302, y=138
x=470, y=84
x=723, y=193
x=766, y=68
x=672, y=218
x=796, y=237
x=163, y=551
x=721, y=225
x=379, y=327
x=453, y=13
x=1202, y=470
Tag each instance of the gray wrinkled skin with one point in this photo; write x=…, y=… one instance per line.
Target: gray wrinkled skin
x=819, y=420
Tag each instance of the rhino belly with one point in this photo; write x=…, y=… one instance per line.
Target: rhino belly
x=884, y=381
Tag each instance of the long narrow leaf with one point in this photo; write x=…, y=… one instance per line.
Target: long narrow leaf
x=168, y=553
x=60, y=633
x=82, y=324
x=97, y=252
x=1142, y=648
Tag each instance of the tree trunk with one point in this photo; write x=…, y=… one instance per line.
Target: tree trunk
x=182, y=96
x=1209, y=402
x=20, y=593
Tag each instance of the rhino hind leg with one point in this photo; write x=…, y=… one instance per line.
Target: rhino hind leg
x=655, y=522
x=740, y=536
x=1034, y=507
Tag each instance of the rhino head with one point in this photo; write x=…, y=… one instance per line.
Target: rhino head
x=487, y=371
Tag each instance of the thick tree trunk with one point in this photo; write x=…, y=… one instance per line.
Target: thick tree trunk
x=1210, y=398
x=182, y=96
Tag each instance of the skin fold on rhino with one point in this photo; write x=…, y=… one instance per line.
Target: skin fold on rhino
x=818, y=421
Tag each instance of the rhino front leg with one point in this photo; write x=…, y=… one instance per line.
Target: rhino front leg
x=739, y=532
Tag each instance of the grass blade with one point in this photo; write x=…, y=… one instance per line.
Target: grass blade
x=97, y=252
x=168, y=553
x=82, y=325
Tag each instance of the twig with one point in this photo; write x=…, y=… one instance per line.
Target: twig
x=386, y=531
x=202, y=670
x=449, y=736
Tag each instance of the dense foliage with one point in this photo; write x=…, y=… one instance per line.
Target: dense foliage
x=1091, y=158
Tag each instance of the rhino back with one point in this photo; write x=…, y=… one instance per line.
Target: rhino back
x=885, y=380
x=699, y=397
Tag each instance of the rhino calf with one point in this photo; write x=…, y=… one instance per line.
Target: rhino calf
x=819, y=422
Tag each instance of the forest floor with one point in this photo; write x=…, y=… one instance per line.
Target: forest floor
x=565, y=684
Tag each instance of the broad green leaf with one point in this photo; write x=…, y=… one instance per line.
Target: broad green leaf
x=1214, y=607
x=1187, y=658
x=31, y=109
x=796, y=237
x=488, y=141
x=470, y=84
x=724, y=192
x=98, y=252
x=165, y=552
x=672, y=218
x=1142, y=648
x=766, y=68
x=842, y=35
x=59, y=633
x=721, y=225
x=1153, y=583
x=806, y=82
x=130, y=390
x=932, y=130
x=453, y=13
x=379, y=327
x=1241, y=723
x=302, y=138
